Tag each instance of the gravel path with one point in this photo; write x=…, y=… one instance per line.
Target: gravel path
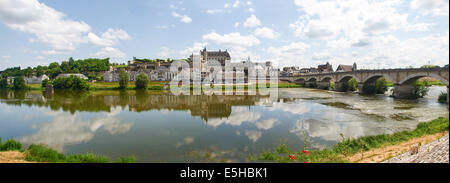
x=433, y=152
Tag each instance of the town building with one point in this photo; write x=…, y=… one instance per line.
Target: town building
x=346, y=68
x=82, y=76
x=325, y=68
x=36, y=80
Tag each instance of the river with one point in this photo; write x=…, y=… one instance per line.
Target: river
x=160, y=127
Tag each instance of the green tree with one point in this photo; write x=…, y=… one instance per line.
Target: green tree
x=381, y=85
x=352, y=85
x=3, y=84
x=70, y=83
x=45, y=82
x=19, y=83
x=142, y=81
x=421, y=89
x=123, y=79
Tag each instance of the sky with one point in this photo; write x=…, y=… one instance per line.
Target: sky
x=305, y=33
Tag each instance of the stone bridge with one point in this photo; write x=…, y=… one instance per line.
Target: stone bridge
x=403, y=79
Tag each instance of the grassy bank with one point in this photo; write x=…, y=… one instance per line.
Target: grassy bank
x=348, y=147
x=42, y=153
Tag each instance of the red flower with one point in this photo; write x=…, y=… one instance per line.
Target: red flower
x=305, y=152
x=292, y=157
x=306, y=162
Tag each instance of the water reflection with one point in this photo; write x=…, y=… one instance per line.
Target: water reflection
x=160, y=127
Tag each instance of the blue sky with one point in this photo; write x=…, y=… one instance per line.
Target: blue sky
x=375, y=34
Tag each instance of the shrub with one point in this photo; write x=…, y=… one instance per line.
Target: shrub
x=71, y=83
x=381, y=85
x=123, y=80
x=352, y=85
x=43, y=153
x=142, y=81
x=10, y=145
x=45, y=82
x=87, y=158
x=19, y=83
x=421, y=89
x=3, y=84
x=443, y=97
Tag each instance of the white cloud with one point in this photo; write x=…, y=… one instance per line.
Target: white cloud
x=355, y=19
x=292, y=54
x=48, y=25
x=419, y=27
x=232, y=39
x=6, y=57
x=183, y=18
x=236, y=24
x=433, y=7
x=194, y=49
x=236, y=3
x=215, y=11
x=251, y=10
x=252, y=21
x=110, y=52
x=266, y=32
x=110, y=38
x=267, y=124
x=164, y=52
x=226, y=5
x=253, y=135
x=249, y=3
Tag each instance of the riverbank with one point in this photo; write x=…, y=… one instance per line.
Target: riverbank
x=365, y=149
x=11, y=151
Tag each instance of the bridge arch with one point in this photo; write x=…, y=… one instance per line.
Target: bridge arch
x=326, y=79
x=346, y=78
x=300, y=81
x=374, y=77
x=413, y=77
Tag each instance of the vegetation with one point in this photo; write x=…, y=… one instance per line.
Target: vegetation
x=86, y=66
x=10, y=145
x=3, y=84
x=142, y=81
x=443, y=97
x=19, y=83
x=42, y=153
x=379, y=87
x=350, y=85
x=45, y=82
x=124, y=78
x=421, y=89
x=70, y=83
x=348, y=147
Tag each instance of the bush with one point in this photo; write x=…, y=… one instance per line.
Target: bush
x=142, y=81
x=45, y=82
x=123, y=80
x=10, y=145
x=352, y=85
x=19, y=83
x=421, y=89
x=443, y=97
x=41, y=153
x=71, y=83
x=3, y=84
x=381, y=85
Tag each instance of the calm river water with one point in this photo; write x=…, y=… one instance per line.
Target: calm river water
x=160, y=127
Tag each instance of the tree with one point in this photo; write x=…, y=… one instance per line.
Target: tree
x=123, y=79
x=381, y=85
x=421, y=89
x=3, y=84
x=142, y=81
x=45, y=82
x=70, y=83
x=19, y=83
x=352, y=85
